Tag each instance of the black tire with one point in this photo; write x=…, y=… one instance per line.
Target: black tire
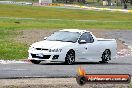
x=35, y=61
x=106, y=56
x=70, y=57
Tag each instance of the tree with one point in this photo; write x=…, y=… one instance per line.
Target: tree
x=125, y=5
x=131, y=2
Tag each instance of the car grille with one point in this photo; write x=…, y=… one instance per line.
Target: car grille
x=41, y=49
x=44, y=56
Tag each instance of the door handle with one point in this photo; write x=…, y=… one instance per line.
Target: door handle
x=86, y=48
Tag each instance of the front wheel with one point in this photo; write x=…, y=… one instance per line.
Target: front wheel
x=35, y=61
x=70, y=57
x=106, y=56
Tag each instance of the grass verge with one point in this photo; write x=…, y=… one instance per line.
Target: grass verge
x=9, y=48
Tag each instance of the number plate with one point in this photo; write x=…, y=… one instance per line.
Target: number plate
x=40, y=55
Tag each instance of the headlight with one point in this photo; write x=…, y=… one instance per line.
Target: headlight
x=55, y=50
x=31, y=48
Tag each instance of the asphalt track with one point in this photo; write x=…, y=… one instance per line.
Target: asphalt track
x=120, y=65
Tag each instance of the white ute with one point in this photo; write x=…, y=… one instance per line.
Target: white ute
x=73, y=45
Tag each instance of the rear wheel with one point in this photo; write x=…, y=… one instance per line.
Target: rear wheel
x=70, y=57
x=106, y=56
x=35, y=61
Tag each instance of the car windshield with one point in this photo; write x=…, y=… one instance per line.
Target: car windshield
x=64, y=36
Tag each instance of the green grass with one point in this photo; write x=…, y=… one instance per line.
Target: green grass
x=60, y=13
x=51, y=18
x=54, y=24
x=12, y=50
x=9, y=48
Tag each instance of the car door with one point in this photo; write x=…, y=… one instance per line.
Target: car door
x=88, y=49
x=92, y=48
x=82, y=48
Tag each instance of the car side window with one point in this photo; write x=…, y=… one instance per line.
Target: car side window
x=87, y=37
x=91, y=38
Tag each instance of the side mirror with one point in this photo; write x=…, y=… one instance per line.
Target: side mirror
x=82, y=41
x=45, y=38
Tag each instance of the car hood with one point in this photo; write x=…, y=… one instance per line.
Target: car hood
x=50, y=44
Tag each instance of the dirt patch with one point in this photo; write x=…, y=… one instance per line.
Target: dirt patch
x=31, y=36
x=53, y=83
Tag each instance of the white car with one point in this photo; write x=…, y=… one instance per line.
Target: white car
x=70, y=45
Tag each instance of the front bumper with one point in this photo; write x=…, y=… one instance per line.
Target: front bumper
x=46, y=56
